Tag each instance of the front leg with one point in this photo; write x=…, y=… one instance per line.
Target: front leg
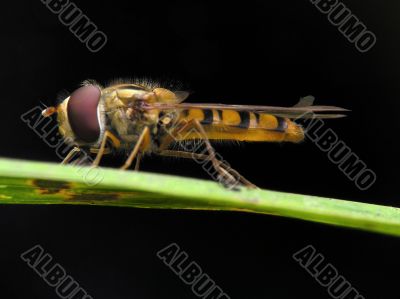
x=71, y=154
x=102, y=149
x=141, y=144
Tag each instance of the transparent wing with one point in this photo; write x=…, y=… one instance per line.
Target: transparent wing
x=303, y=109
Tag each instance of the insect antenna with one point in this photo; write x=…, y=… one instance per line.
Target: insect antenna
x=43, y=104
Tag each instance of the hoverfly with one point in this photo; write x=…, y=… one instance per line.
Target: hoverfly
x=141, y=118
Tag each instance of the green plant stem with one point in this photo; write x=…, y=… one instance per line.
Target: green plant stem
x=27, y=182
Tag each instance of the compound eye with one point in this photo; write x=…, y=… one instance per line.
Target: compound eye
x=82, y=113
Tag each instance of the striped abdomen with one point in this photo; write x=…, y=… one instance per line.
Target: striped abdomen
x=243, y=125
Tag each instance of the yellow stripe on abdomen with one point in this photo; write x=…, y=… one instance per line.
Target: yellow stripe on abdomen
x=243, y=126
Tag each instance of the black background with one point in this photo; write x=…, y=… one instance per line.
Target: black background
x=253, y=52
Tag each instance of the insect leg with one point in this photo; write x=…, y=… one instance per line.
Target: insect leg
x=138, y=158
x=171, y=137
x=196, y=124
x=94, y=150
x=70, y=155
x=138, y=146
x=102, y=148
x=188, y=155
x=211, y=152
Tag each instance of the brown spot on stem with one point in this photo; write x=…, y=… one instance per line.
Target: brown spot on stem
x=50, y=187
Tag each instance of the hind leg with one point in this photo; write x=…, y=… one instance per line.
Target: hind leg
x=189, y=155
x=176, y=135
